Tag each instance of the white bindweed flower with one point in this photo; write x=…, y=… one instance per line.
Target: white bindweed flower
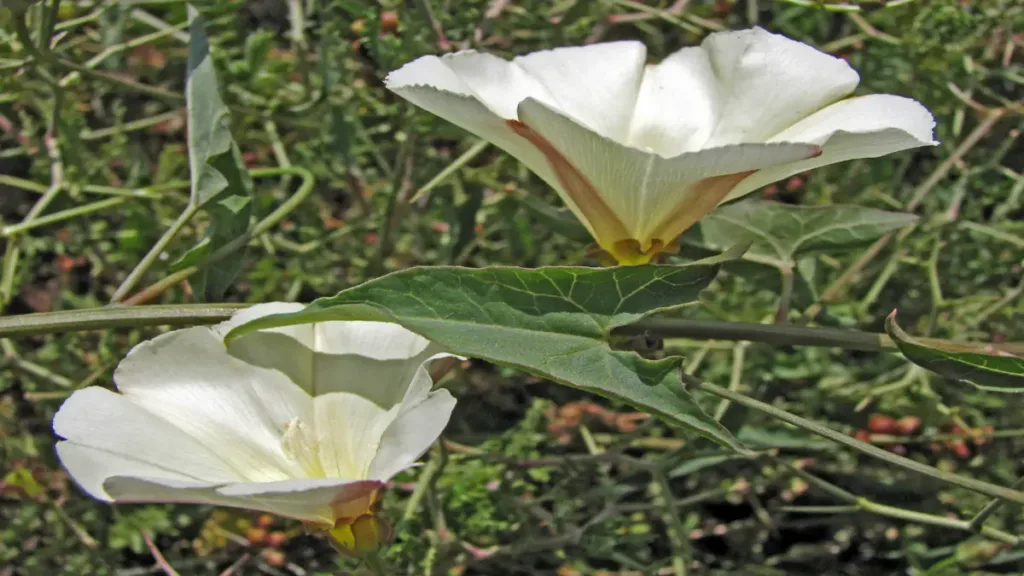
x=307, y=422
x=641, y=152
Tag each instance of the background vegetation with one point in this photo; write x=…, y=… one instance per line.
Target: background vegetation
x=531, y=478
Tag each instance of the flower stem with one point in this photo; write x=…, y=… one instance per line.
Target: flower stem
x=858, y=503
x=154, y=252
x=115, y=317
x=979, y=486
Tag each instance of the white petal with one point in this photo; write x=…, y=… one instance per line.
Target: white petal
x=235, y=409
x=134, y=440
x=91, y=467
x=479, y=93
x=283, y=348
x=311, y=500
x=767, y=82
x=350, y=428
x=642, y=188
x=596, y=84
x=373, y=340
x=498, y=84
x=411, y=434
x=862, y=127
x=307, y=499
x=468, y=113
x=376, y=360
x=677, y=106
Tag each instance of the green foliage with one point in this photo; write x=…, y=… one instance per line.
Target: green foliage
x=991, y=370
x=537, y=478
x=785, y=233
x=550, y=322
x=220, y=181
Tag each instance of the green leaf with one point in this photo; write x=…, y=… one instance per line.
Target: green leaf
x=555, y=323
x=763, y=275
x=784, y=233
x=994, y=371
x=220, y=182
x=699, y=463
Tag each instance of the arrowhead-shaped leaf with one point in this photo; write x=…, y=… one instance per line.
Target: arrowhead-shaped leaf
x=991, y=369
x=220, y=181
x=784, y=232
x=552, y=322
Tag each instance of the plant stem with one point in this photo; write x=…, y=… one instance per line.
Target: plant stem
x=116, y=317
x=864, y=504
x=136, y=274
x=25, y=226
x=979, y=486
x=787, y=335
x=261, y=227
x=450, y=169
x=786, y=296
x=990, y=509
x=781, y=335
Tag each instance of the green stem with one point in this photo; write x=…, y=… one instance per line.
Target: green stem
x=979, y=486
x=261, y=227
x=735, y=378
x=131, y=126
x=673, y=521
x=118, y=48
x=388, y=220
x=374, y=563
x=781, y=335
x=450, y=169
x=115, y=317
x=990, y=509
x=786, y=295
x=870, y=506
x=136, y=274
x=25, y=226
x=123, y=82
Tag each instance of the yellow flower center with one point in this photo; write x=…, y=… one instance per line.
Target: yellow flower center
x=363, y=534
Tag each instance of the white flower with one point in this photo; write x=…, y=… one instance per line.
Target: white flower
x=305, y=421
x=641, y=152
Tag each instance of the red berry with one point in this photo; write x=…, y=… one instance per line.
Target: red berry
x=274, y=557
x=908, y=425
x=959, y=447
x=276, y=539
x=882, y=424
x=388, y=21
x=256, y=536
x=265, y=521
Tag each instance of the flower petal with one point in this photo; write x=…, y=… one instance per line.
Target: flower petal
x=411, y=434
x=237, y=410
x=91, y=467
x=862, y=127
x=677, y=105
x=309, y=499
x=376, y=360
x=642, y=188
x=496, y=83
x=468, y=113
x=133, y=440
x=350, y=429
x=328, y=498
x=597, y=84
x=767, y=82
x=478, y=92
x=287, y=348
